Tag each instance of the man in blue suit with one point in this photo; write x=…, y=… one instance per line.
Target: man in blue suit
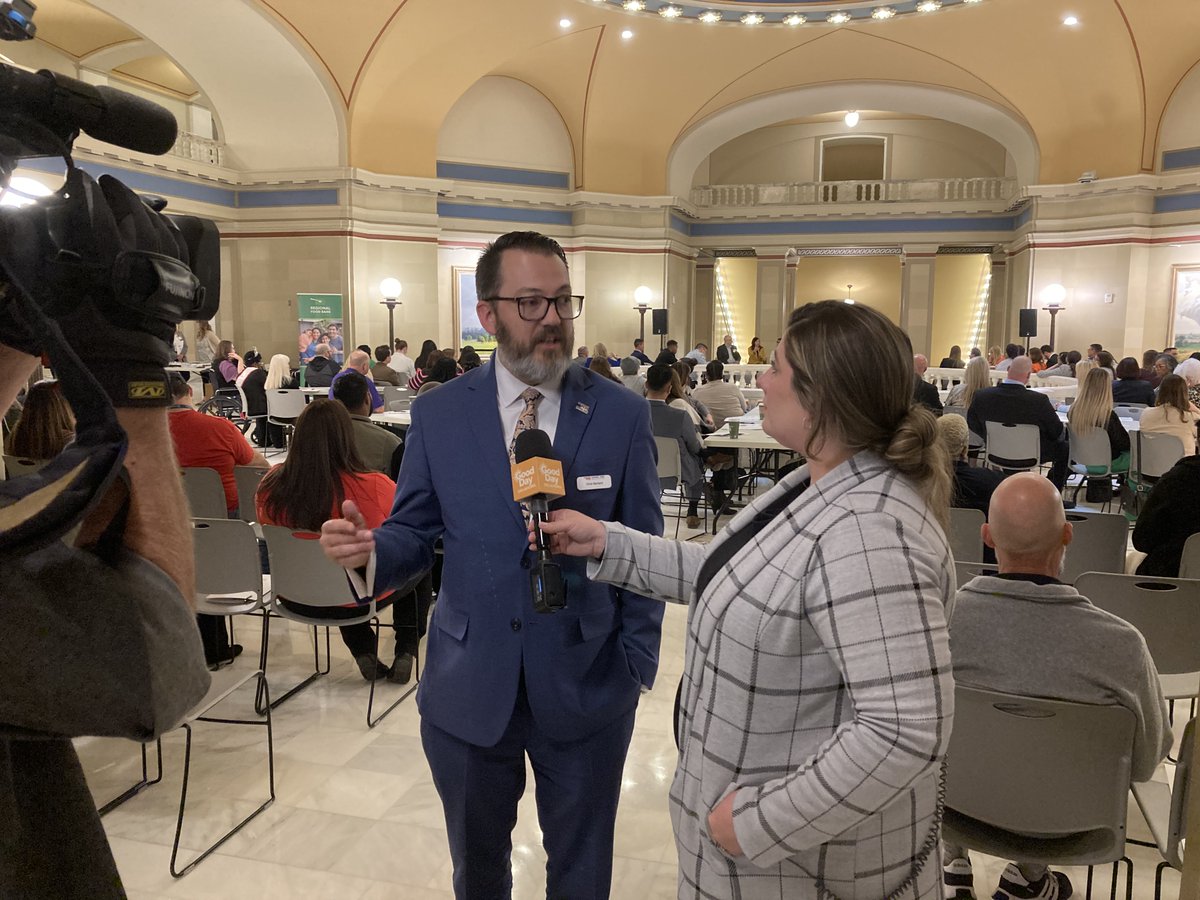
x=503, y=681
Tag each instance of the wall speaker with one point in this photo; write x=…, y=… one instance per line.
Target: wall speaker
x=1028, y=322
x=659, y=324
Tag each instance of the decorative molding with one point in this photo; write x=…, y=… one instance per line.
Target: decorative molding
x=735, y=253
x=788, y=14
x=967, y=250
x=848, y=251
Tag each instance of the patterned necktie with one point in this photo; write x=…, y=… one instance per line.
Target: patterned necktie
x=527, y=420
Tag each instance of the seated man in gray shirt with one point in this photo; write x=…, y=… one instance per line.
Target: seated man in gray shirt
x=1025, y=632
x=378, y=447
x=723, y=399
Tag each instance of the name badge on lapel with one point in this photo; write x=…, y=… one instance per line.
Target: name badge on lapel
x=583, y=408
x=593, y=482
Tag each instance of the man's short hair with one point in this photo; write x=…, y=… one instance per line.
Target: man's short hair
x=487, y=270
x=179, y=386
x=323, y=350
x=715, y=370
x=1012, y=351
x=671, y=344
x=351, y=390
x=630, y=365
x=638, y=342
x=659, y=376
x=365, y=348
x=383, y=353
x=1096, y=347
x=699, y=345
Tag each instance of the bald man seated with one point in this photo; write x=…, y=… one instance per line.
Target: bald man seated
x=1024, y=632
x=359, y=362
x=924, y=392
x=1010, y=402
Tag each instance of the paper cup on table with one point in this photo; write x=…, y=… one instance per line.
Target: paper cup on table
x=734, y=428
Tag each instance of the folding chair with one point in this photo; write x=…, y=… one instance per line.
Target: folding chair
x=15, y=466
x=247, y=478
x=1167, y=613
x=301, y=573
x=224, y=684
x=1189, y=563
x=205, y=493
x=966, y=541
x=1164, y=807
x=1090, y=450
x=1130, y=411
x=229, y=578
x=1098, y=544
x=1152, y=456
x=1034, y=779
x=1012, y=448
x=672, y=491
x=965, y=571
x=283, y=406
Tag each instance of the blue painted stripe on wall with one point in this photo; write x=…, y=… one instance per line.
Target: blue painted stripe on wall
x=504, y=214
x=1024, y=217
x=856, y=226
x=681, y=226
x=150, y=183
x=301, y=197
x=147, y=182
x=1181, y=159
x=503, y=175
x=1176, y=203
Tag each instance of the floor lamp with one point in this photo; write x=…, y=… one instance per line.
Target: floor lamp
x=642, y=297
x=391, y=290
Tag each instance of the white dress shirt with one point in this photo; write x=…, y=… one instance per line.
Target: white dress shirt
x=402, y=365
x=508, y=396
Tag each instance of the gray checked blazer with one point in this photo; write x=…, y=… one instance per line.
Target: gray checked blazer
x=817, y=684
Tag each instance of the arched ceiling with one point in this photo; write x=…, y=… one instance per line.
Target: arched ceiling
x=1091, y=96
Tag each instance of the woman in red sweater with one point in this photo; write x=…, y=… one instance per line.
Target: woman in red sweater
x=322, y=470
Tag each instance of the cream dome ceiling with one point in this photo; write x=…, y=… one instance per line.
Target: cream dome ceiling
x=1086, y=97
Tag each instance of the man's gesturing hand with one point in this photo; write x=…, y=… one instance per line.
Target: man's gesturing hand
x=348, y=541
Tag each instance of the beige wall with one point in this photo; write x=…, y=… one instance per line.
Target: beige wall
x=258, y=306
x=1180, y=123
x=608, y=286
x=505, y=122
x=419, y=315
x=917, y=148
x=955, y=294
x=740, y=276
x=876, y=281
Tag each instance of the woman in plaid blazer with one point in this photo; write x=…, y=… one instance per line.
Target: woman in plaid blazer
x=817, y=697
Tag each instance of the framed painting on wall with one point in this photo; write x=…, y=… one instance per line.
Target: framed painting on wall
x=467, y=327
x=1184, y=325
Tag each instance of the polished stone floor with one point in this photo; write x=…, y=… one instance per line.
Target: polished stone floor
x=356, y=815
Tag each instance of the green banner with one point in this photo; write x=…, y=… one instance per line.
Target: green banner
x=320, y=322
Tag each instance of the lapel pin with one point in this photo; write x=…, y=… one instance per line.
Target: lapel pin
x=583, y=408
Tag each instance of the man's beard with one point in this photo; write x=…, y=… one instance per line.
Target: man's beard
x=529, y=364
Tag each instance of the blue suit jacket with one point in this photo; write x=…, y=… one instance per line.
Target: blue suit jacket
x=583, y=666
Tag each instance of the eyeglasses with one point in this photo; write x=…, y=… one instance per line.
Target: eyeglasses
x=534, y=308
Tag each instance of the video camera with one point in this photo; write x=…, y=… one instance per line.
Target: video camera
x=93, y=275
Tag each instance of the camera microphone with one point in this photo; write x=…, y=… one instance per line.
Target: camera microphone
x=67, y=105
x=536, y=478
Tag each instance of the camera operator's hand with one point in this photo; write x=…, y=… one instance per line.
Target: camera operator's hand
x=113, y=273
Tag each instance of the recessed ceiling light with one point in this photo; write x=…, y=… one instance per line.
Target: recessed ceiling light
x=883, y=12
x=670, y=12
x=838, y=18
x=753, y=19
x=1071, y=20
x=710, y=16
x=626, y=34
x=926, y=6
x=564, y=23
x=794, y=19
x=634, y=5
x=851, y=118
x=970, y=1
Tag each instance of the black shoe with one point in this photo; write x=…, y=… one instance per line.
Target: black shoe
x=401, y=669
x=235, y=650
x=371, y=668
x=1013, y=886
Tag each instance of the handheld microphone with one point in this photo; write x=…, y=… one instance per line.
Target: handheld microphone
x=536, y=478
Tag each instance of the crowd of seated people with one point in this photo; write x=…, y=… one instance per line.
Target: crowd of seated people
x=45, y=425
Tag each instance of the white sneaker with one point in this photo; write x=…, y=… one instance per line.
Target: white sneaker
x=1013, y=886
x=958, y=880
